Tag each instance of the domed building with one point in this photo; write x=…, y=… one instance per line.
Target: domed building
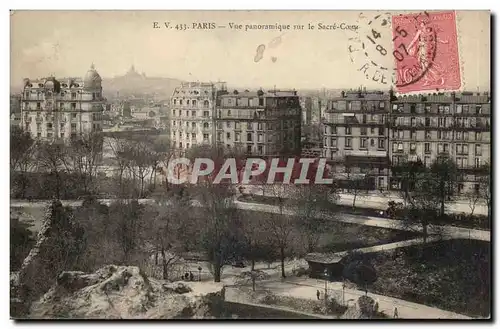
x=92, y=79
x=62, y=108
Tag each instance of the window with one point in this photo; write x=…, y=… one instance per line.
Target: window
x=381, y=131
x=249, y=126
x=372, y=131
x=49, y=135
x=381, y=143
x=193, y=113
x=180, y=102
x=381, y=105
x=49, y=125
x=237, y=137
x=193, y=102
x=427, y=147
x=173, y=123
x=348, y=142
x=477, y=162
x=364, y=118
x=348, y=130
x=326, y=130
x=249, y=137
x=261, y=101
x=445, y=148
x=478, y=136
x=38, y=106
x=394, y=147
x=333, y=130
x=413, y=108
x=259, y=149
x=228, y=136
x=427, y=122
x=228, y=113
x=260, y=138
x=205, y=103
x=193, y=135
x=187, y=124
x=39, y=134
x=73, y=106
x=259, y=126
x=427, y=135
x=333, y=142
x=441, y=122
x=205, y=137
x=180, y=143
x=219, y=136
x=363, y=143
x=413, y=147
x=413, y=122
x=228, y=124
x=206, y=114
x=477, y=149
x=363, y=131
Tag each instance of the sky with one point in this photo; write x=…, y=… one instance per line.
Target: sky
x=66, y=43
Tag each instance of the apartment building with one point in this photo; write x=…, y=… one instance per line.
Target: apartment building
x=355, y=136
x=192, y=113
x=263, y=123
x=62, y=108
x=428, y=126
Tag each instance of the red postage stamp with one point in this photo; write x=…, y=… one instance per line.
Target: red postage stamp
x=426, y=52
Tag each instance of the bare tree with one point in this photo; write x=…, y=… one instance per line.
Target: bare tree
x=423, y=207
x=53, y=158
x=140, y=165
x=121, y=150
x=22, y=148
x=445, y=176
x=85, y=154
x=473, y=197
x=485, y=186
x=312, y=202
x=279, y=224
x=219, y=222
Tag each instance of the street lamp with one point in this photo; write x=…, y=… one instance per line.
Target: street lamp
x=326, y=287
x=199, y=270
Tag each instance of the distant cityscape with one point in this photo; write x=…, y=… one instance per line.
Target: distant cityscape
x=360, y=132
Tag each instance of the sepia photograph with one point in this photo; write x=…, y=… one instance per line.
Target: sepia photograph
x=250, y=164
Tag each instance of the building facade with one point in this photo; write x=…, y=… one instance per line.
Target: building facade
x=62, y=108
x=366, y=133
x=425, y=127
x=258, y=123
x=262, y=123
x=192, y=110
x=355, y=136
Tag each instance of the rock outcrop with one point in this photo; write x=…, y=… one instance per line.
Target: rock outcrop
x=124, y=292
x=55, y=250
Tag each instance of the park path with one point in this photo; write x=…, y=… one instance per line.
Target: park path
x=378, y=200
x=447, y=231
x=306, y=288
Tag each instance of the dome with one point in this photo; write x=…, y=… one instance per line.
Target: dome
x=92, y=78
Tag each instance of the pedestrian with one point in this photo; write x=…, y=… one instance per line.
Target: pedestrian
x=395, y=313
x=186, y=276
x=318, y=294
x=191, y=276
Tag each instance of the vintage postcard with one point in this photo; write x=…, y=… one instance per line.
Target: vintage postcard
x=250, y=165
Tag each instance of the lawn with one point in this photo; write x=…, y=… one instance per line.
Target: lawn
x=453, y=275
